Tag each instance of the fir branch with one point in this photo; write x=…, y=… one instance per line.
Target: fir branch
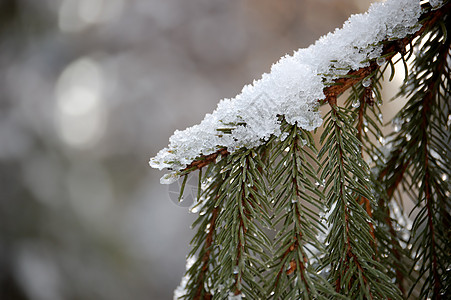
x=241, y=242
x=200, y=282
x=203, y=242
x=354, y=272
x=205, y=160
x=295, y=199
x=428, y=90
x=365, y=250
x=387, y=243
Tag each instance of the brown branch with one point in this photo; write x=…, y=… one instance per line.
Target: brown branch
x=205, y=160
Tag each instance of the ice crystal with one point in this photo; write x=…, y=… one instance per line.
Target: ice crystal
x=292, y=89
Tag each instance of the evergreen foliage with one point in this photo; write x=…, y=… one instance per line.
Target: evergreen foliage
x=285, y=221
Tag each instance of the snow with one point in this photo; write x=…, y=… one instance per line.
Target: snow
x=292, y=89
x=234, y=297
x=181, y=289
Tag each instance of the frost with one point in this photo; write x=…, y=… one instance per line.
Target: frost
x=181, y=289
x=292, y=89
x=234, y=297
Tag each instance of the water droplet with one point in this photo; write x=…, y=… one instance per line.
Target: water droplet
x=169, y=178
x=408, y=137
x=380, y=117
x=287, y=149
x=396, y=123
x=417, y=267
x=366, y=82
x=317, y=184
x=444, y=177
x=382, y=140
x=380, y=61
x=195, y=209
x=449, y=121
x=365, y=129
x=294, y=200
x=236, y=270
x=356, y=103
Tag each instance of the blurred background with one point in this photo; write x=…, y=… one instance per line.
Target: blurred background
x=89, y=90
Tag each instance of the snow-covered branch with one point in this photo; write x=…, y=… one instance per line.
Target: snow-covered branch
x=292, y=89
